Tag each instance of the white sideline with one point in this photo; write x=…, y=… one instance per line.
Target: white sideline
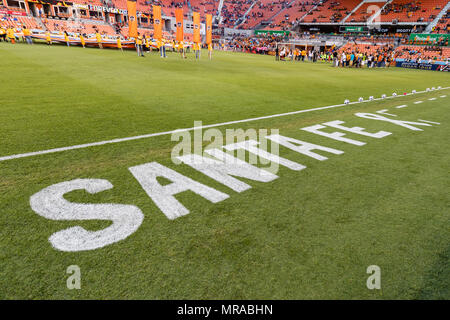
x=93, y=144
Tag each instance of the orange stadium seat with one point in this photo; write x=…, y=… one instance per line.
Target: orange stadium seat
x=365, y=11
x=412, y=11
x=332, y=11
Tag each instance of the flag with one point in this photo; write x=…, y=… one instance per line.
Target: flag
x=179, y=19
x=196, y=20
x=208, y=29
x=132, y=19
x=157, y=23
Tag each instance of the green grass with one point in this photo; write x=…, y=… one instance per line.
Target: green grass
x=308, y=234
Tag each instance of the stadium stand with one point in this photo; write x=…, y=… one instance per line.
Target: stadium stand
x=443, y=25
x=232, y=10
x=204, y=6
x=262, y=10
x=412, y=11
x=331, y=11
x=293, y=14
x=365, y=11
x=423, y=53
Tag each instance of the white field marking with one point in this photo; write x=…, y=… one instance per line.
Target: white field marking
x=383, y=111
x=444, y=96
x=100, y=143
x=402, y=106
x=432, y=99
x=429, y=121
x=418, y=102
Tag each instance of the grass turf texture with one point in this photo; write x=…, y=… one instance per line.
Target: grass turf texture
x=308, y=234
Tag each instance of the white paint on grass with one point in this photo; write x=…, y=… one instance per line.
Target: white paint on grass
x=50, y=203
x=119, y=140
x=383, y=111
x=163, y=195
x=302, y=146
x=418, y=102
x=358, y=130
x=429, y=121
x=223, y=166
x=251, y=146
x=339, y=136
x=402, y=106
x=402, y=123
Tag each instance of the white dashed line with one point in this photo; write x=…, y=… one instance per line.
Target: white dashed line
x=429, y=121
x=402, y=106
x=432, y=99
x=417, y=102
x=444, y=96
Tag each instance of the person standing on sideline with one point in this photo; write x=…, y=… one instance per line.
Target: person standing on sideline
x=162, y=48
x=181, y=48
x=210, y=49
x=66, y=38
x=27, y=34
x=99, y=40
x=10, y=35
x=83, y=42
x=119, y=44
x=48, y=38
x=139, y=48
x=197, y=51
x=2, y=34
x=147, y=43
x=277, y=53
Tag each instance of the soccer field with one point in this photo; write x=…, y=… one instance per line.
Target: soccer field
x=311, y=232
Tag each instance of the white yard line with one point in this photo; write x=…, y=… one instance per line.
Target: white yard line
x=402, y=106
x=418, y=102
x=432, y=99
x=100, y=143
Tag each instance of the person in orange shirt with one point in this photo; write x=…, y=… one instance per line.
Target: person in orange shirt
x=210, y=51
x=139, y=49
x=119, y=44
x=66, y=38
x=2, y=34
x=83, y=42
x=48, y=38
x=27, y=34
x=99, y=40
x=10, y=35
